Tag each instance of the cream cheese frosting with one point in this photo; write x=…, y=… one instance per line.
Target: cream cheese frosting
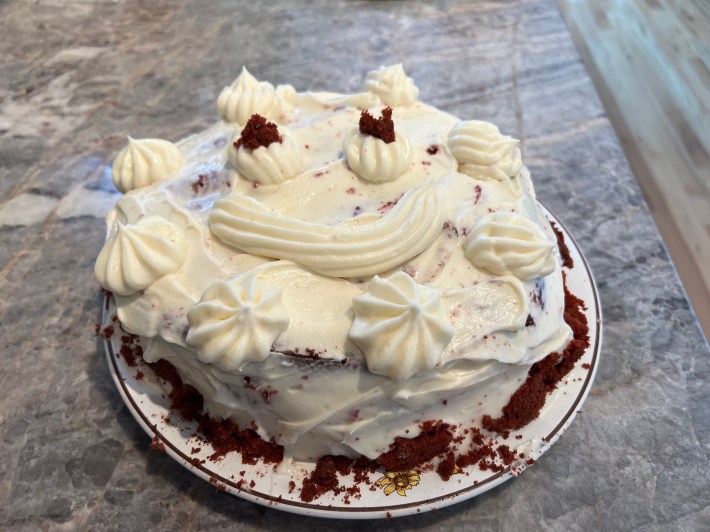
x=401, y=326
x=375, y=160
x=482, y=152
x=236, y=322
x=144, y=162
x=269, y=165
x=392, y=85
x=138, y=254
x=367, y=305
x=245, y=97
x=506, y=243
x=356, y=248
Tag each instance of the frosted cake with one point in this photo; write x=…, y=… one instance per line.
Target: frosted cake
x=342, y=273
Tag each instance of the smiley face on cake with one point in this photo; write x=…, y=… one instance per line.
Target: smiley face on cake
x=374, y=262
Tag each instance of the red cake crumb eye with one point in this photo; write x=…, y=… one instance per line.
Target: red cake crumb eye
x=381, y=128
x=258, y=132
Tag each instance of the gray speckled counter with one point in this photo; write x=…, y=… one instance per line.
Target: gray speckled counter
x=75, y=78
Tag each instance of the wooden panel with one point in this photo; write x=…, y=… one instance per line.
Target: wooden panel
x=650, y=62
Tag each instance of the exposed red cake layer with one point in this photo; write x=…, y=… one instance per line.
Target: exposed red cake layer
x=225, y=436
x=258, y=132
x=325, y=477
x=381, y=128
x=407, y=453
x=526, y=402
x=567, y=261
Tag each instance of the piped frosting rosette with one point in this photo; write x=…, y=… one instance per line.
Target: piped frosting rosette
x=236, y=322
x=272, y=164
x=392, y=86
x=375, y=160
x=401, y=326
x=247, y=96
x=507, y=243
x=482, y=152
x=144, y=162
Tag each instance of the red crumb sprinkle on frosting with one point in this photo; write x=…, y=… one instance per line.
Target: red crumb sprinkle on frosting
x=257, y=133
x=381, y=128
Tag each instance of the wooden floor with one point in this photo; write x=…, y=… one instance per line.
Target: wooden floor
x=650, y=63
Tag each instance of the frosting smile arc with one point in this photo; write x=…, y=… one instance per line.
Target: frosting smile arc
x=343, y=250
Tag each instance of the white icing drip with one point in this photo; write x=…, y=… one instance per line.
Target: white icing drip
x=144, y=162
x=505, y=243
x=401, y=326
x=138, y=254
x=392, y=85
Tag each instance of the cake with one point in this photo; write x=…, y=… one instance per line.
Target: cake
x=343, y=274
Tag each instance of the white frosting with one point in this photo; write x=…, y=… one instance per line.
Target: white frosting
x=375, y=160
x=401, y=326
x=246, y=96
x=350, y=249
x=144, y=162
x=269, y=165
x=333, y=231
x=482, y=152
x=392, y=86
x=505, y=243
x=236, y=322
x=138, y=254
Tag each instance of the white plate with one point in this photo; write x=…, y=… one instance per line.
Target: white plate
x=265, y=485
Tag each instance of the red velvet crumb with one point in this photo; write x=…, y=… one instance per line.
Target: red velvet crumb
x=381, y=128
x=324, y=477
x=258, y=132
x=200, y=183
x=157, y=445
x=407, y=453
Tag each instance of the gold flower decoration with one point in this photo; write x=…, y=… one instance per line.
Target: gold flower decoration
x=399, y=481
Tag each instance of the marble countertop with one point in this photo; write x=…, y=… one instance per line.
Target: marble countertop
x=77, y=77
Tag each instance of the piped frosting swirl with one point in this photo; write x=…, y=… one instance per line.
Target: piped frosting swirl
x=401, y=326
x=246, y=96
x=137, y=255
x=392, y=85
x=507, y=243
x=350, y=249
x=375, y=160
x=269, y=165
x=482, y=152
x=144, y=162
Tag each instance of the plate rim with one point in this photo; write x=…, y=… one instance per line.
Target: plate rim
x=366, y=512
